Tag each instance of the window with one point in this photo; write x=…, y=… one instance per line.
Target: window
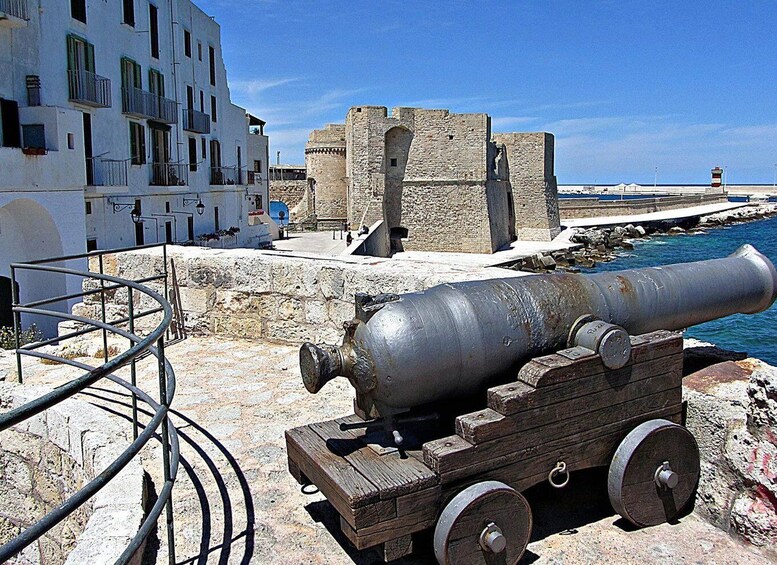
x=130, y=74
x=9, y=122
x=129, y=12
x=202, y=101
x=215, y=218
x=153, y=19
x=80, y=54
x=78, y=10
x=187, y=43
x=34, y=136
x=192, y=154
x=91, y=244
x=156, y=82
x=213, y=117
x=167, y=207
x=199, y=50
x=137, y=143
x=393, y=162
x=257, y=166
x=71, y=140
x=88, y=207
x=259, y=201
x=212, y=57
x=204, y=150
x=190, y=227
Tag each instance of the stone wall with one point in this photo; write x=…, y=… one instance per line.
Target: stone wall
x=530, y=158
x=265, y=294
x=295, y=194
x=45, y=460
x=593, y=207
x=732, y=412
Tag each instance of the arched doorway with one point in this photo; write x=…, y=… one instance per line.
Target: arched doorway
x=28, y=233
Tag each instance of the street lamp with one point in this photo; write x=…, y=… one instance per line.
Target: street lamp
x=199, y=206
x=135, y=215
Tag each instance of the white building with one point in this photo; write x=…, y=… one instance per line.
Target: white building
x=114, y=106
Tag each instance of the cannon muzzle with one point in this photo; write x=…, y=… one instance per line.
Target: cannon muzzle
x=452, y=340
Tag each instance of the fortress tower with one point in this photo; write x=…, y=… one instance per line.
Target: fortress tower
x=325, y=164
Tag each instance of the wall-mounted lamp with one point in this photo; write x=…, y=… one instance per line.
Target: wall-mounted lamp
x=135, y=215
x=199, y=206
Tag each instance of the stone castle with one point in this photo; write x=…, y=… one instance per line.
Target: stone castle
x=440, y=181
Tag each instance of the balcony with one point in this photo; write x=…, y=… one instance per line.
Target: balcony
x=89, y=89
x=106, y=172
x=254, y=177
x=144, y=104
x=224, y=175
x=13, y=13
x=195, y=121
x=169, y=174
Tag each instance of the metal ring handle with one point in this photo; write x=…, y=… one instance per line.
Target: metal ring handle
x=560, y=468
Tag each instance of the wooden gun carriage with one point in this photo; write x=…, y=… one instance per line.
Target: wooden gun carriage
x=610, y=395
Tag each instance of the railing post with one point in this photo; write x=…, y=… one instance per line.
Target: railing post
x=102, y=308
x=133, y=370
x=166, y=447
x=17, y=325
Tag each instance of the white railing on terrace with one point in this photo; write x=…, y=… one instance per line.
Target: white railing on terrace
x=15, y=8
x=106, y=172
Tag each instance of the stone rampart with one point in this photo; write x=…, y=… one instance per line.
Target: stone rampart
x=45, y=460
x=594, y=208
x=293, y=193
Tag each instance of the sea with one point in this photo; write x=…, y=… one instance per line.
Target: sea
x=754, y=334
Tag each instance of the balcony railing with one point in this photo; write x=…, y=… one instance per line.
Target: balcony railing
x=195, y=121
x=169, y=174
x=223, y=175
x=106, y=172
x=89, y=89
x=14, y=8
x=144, y=104
x=254, y=177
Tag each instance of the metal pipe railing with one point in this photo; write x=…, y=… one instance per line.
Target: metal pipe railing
x=153, y=343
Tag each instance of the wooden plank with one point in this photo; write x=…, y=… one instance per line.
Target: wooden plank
x=487, y=425
x=414, y=502
x=442, y=459
x=578, y=452
x=397, y=548
x=553, y=369
x=392, y=473
x=390, y=529
x=342, y=485
x=515, y=397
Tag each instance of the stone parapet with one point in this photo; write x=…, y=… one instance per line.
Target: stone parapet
x=46, y=459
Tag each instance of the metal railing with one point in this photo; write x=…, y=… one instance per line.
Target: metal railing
x=144, y=104
x=195, y=121
x=153, y=343
x=15, y=8
x=90, y=89
x=106, y=172
x=169, y=174
x=223, y=175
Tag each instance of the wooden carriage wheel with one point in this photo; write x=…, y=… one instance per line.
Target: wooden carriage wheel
x=488, y=522
x=654, y=473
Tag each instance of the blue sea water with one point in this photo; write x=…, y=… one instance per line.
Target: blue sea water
x=754, y=334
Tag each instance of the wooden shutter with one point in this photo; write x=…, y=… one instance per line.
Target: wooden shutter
x=71, y=53
x=89, y=57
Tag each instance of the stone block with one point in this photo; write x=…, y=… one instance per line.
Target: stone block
x=331, y=282
x=316, y=312
x=295, y=278
x=289, y=332
x=243, y=326
x=197, y=300
x=340, y=311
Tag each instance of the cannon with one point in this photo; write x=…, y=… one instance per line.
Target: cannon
x=574, y=371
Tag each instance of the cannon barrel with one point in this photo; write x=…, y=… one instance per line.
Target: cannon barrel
x=452, y=339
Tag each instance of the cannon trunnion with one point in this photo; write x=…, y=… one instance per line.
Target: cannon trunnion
x=564, y=412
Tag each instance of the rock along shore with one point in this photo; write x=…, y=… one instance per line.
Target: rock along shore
x=604, y=244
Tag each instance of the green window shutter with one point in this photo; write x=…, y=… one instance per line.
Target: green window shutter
x=90, y=57
x=124, y=77
x=137, y=72
x=133, y=144
x=161, y=91
x=71, y=53
x=142, y=144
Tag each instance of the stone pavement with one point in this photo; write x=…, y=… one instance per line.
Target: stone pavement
x=236, y=503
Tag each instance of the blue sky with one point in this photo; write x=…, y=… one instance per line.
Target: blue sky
x=625, y=86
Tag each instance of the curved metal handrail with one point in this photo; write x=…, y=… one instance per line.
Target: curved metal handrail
x=139, y=346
